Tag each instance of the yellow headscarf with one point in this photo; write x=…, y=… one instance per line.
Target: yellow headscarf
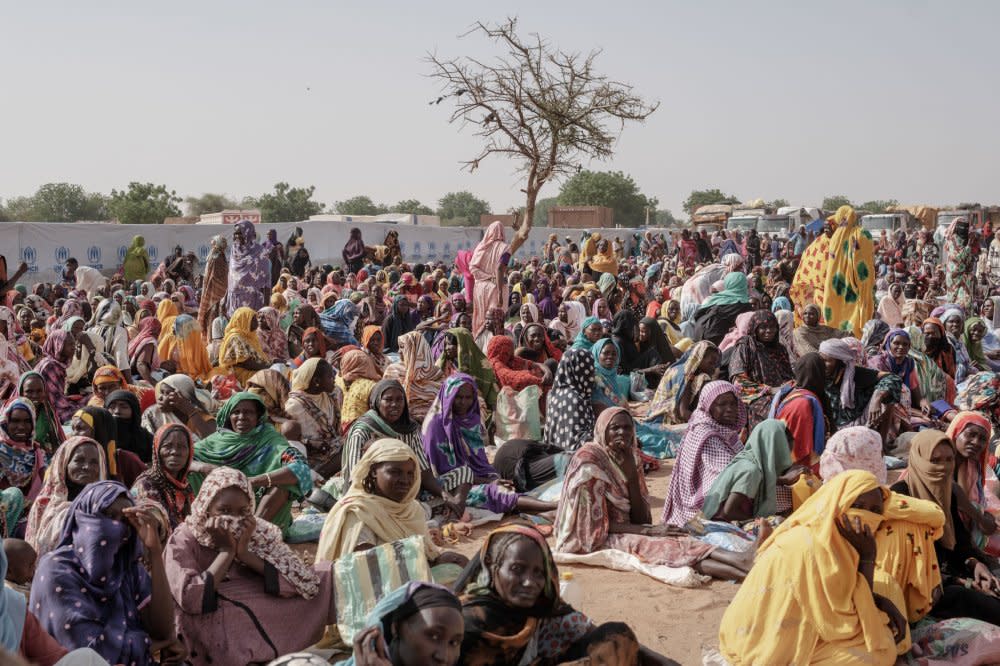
x=303, y=375
x=166, y=308
x=848, y=288
x=239, y=327
x=806, y=582
x=388, y=519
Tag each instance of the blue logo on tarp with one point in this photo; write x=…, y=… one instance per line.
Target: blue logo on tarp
x=417, y=250
x=62, y=254
x=94, y=254
x=432, y=250
x=202, y=252
x=151, y=250
x=28, y=255
x=121, y=253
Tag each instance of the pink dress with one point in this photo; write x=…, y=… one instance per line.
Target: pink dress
x=232, y=621
x=483, y=266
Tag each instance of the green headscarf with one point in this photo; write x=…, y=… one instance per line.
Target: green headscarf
x=975, y=349
x=474, y=363
x=581, y=341
x=754, y=471
x=257, y=452
x=136, y=263
x=734, y=290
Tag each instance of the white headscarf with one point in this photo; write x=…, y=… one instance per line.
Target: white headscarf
x=844, y=352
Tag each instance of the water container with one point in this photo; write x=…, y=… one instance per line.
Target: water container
x=569, y=589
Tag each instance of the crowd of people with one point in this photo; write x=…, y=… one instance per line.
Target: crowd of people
x=830, y=403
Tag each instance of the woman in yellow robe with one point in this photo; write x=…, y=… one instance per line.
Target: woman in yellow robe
x=810, y=277
x=808, y=598
x=849, y=289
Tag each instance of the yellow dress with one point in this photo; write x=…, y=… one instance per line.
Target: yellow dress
x=849, y=287
x=810, y=277
x=804, y=601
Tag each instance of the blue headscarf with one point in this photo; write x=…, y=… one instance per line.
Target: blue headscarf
x=781, y=303
x=607, y=380
x=903, y=369
x=13, y=610
x=338, y=320
x=581, y=341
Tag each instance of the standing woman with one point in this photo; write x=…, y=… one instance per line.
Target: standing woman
x=249, y=271
x=354, y=251
x=488, y=267
x=848, y=296
x=136, y=264
x=960, y=272
x=214, y=285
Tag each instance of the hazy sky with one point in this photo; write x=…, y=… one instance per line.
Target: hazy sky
x=762, y=99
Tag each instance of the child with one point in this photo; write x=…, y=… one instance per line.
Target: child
x=21, y=560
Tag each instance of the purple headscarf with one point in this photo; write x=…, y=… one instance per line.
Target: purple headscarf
x=88, y=591
x=451, y=441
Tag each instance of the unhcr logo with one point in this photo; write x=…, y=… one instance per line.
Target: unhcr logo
x=151, y=251
x=61, y=254
x=202, y=252
x=94, y=254
x=121, y=253
x=30, y=256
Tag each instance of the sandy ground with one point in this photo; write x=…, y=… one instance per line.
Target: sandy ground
x=676, y=622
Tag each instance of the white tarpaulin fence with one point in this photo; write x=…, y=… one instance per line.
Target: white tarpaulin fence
x=46, y=246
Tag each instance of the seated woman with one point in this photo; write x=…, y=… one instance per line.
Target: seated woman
x=78, y=462
x=954, y=326
x=311, y=407
x=48, y=428
x=372, y=343
x=177, y=401
x=143, y=357
x=401, y=320
x=313, y=344
x=801, y=404
x=93, y=591
x=459, y=353
x=610, y=388
x=416, y=624
x=811, y=334
x=23, y=469
x=895, y=359
x=591, y=331
x=59, y=348
x=975, y=480
x=535, y=346
x=165, y=483
x=272, y=387
x=418, y=374
x=187, y=350
x=717, y=314
x=245, y=441
x=454, y=440
x=389, y=418
x=970, y=589
x=273, y=339
x=676, y=395
x=97, y=423
x=380, y=506
x=605, y=504
x=130, y=435
x=973, y=339
x=856, y=447
x=241, y=353
x=655, y=351
x=813, y=578
x=858, y=395
x=355, y=380
x=513, y=611
x=712, y=440
x=107, y=379
x=759, y=364
x=747, y=487
x=937, y=347
x=236, y=585
x=570, y=420
x=515, y=372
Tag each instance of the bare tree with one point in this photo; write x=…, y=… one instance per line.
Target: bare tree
x=544, y=107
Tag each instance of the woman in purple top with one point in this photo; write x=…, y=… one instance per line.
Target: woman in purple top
x=454, y=438
x=249, y=270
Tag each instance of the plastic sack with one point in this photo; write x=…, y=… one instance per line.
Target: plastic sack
x=638, y=389
x=517, y=415
x=362, y=578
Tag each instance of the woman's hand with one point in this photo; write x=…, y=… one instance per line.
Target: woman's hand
x=859, y=536
x=146, y=526
x=223, y=540
x=897, y=623
x=201, y=467
x=249, y=525
x=663, y=530
x=369, y=648
x=179, y=404
x=925, y=407
x=792, y=474
x=984, y=581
